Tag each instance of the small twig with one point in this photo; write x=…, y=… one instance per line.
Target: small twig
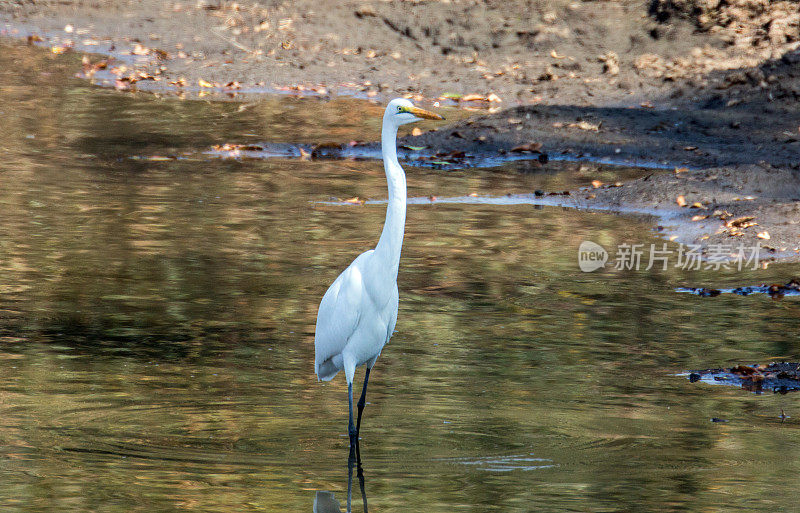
x=233, y=42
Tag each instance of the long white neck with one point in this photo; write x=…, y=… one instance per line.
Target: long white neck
x=391, y=241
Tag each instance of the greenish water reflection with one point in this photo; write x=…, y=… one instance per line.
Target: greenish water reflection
x=156, y=330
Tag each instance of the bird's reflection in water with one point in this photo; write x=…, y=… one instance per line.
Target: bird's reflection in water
x=325, y=502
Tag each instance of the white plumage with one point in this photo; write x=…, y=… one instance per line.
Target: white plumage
x=357, y=314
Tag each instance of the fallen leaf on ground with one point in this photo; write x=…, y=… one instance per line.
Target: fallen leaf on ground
x=597, y=184
x=763, y=235
x=204, y=83
x=531, y=147
x=473, y=97
x=494, y=98
x=698, y=218
x=585, y=125
x=355, y=201
x=681, y=170
x=681, y=201
x=416, y=131
x=741, y=222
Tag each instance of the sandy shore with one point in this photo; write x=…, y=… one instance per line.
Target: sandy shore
x=713, y=89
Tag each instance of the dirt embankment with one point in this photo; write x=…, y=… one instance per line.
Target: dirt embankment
x=700, y=83
x=555, y=51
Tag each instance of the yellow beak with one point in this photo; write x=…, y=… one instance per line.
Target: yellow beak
x=422, y=113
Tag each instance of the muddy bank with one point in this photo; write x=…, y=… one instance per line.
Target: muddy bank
x=559, y=52
x=696, y=138
x=724, y=165
x=724, y=207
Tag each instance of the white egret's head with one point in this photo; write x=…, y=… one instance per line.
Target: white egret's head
x=401, y=111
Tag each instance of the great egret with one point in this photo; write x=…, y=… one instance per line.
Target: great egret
x=358, y=313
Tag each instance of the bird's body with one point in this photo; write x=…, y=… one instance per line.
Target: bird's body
x=360, y=311
x=357, y=314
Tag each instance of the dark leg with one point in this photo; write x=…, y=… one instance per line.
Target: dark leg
x=360, y=474
x=362, y=401
x=351, y=428
x=350, y=464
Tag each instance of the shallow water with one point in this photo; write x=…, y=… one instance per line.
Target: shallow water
x=157, y=317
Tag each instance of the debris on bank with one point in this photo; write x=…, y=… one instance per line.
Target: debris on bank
x=774, y=291
x=779, y=378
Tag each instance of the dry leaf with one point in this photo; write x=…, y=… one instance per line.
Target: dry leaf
x=741, y=222
x=697, y=204
x=597, y=184
x=698, y=218
x=531, y=147
x=763, y=235
x=204, y=83
x=681, y=170
x=416, y=131
x=494, y=98
x=473, y=98
x=681, y=201
x=355, y=201
x=585, y=125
